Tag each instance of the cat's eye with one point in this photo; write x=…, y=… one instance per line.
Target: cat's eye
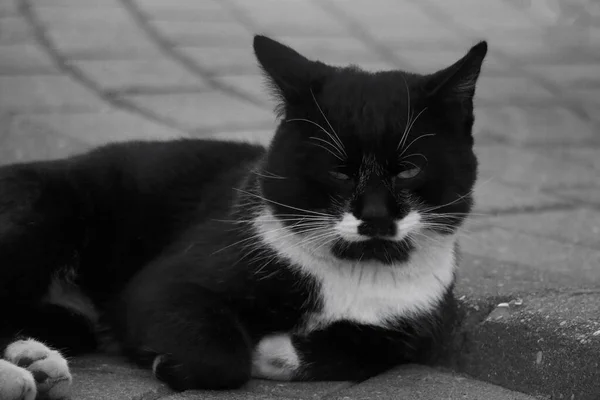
x=339, y=175
x=409, y=173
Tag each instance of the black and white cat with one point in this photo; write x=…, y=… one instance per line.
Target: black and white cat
x=331, y=255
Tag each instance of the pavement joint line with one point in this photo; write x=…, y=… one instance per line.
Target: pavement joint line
x=170, y=50
x=26, y=7
x=158, y=91
x=363, y=34
x=240, y=16
x=443, y=18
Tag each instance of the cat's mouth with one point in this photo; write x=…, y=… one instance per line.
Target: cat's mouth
x=383, y=250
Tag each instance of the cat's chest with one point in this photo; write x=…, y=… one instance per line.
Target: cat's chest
x=374, y=294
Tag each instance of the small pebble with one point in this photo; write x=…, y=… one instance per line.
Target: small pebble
x=563, y=323
x=597, y=333
x=538, y=358
x=503, y=305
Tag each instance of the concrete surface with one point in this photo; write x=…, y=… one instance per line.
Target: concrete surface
x=77, y=73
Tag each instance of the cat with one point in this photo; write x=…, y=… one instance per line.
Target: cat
x=329, y=255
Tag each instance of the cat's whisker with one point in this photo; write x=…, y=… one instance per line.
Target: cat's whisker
x=266, y=174
x=415, y=140
x=281, y=204
x=327, y=149
x=337, y=138
x=408, y=114
x=337, y=145
x=411, y=163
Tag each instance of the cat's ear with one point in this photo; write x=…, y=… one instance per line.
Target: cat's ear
x=292, y=75
x=457, y=82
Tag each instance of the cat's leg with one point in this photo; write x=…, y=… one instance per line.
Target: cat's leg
x=38, y=236
x=31, y=368
x=340, y=352
x=187, y=334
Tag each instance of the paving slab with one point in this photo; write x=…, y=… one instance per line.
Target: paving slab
x=422, y=383
x=209, y=110
x=546, y=344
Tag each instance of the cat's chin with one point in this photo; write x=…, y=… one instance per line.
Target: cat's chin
x=384, y=251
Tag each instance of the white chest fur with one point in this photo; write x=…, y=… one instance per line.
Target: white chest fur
x=367, y=292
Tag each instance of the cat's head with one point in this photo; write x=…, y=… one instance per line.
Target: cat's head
x=368, y=164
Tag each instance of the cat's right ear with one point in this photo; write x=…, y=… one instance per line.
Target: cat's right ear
x=292, y=75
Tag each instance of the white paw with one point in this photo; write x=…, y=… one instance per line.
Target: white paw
x=275, y=358
x=47, y=366
x=16, y=383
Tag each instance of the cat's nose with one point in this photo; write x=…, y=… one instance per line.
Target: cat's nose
x=375, y=214
x=377, y=227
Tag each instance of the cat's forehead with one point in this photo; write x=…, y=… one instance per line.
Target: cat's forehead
x=369, y=102
x=373, y=109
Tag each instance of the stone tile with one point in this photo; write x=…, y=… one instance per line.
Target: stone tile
x=534, y=124
x=585, y=156
x=296, y=390
x=107, y=31
x=9, y=8
x=14, y=30
x=43, y=93
x=277, y=17
x=23, y=140
x=254, y=84
x=25, y=59
x=229, y=395
x=210, y=110
x=519, y=46
x=492, y=195
x=89, y=385
x=76, y=4
x=124, y=74
x=503, y=89
x=530, y=169
x=206, y=34
x=184, y=10
x=588, y=194
x=105, y=127
x=423, y=383
x=485, y=277
x=553, y=256
x=223, y=60
x=569, y=75
x=262, y=137
x=481, y=17
x=577, y=226
x=387, y=20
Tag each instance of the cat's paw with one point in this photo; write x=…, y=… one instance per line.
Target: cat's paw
x=275, y=358
x=47, y=366
x=16, y=383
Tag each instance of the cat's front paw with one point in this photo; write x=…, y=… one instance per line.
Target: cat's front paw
x=48, y=367
x=16, y=383
x=275, y=358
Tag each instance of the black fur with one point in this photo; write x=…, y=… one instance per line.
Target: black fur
x=159, y=235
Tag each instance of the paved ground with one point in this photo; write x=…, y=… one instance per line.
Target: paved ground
x=76, y=73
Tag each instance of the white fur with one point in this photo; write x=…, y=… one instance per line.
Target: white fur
x=46, y=360
x=156, y=363
x=368, y=292
x=16, y=383
x=347, y=227
x=275, y=358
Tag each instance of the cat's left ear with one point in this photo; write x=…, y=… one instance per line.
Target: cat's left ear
x=292, y=75
x=457, y=82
